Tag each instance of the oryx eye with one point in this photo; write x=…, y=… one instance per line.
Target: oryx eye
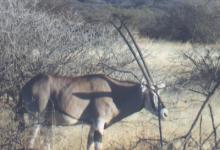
x=164, y=113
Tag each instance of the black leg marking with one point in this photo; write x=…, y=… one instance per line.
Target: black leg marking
x=90, y=138
x=97, y=136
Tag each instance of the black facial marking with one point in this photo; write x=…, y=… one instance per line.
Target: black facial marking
x=152, y=102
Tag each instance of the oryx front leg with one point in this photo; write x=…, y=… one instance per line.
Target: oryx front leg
x=99, y=130
x=90, y=140
x=48, y=135
x=33, y=138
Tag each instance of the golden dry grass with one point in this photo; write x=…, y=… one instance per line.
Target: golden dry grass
x=164, y=60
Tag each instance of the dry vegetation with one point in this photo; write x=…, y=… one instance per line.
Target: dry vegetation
x=71, y=43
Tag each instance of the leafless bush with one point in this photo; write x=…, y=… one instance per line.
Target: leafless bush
x=9, y=136
x=205, y=80
x=34, y=41
x=205, y=69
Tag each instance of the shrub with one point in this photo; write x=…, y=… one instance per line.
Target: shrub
x=205, y=67
x=185, y=23
x=34, y=41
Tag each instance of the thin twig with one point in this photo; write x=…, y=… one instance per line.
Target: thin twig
x=207, y=138
x=201, y=108
x=193, y=139
x=200, y=133
x=213, y=125
x=120, y=70
x=148, y=140
x=192, y=60
x=186, y=141
x=160, y=126
x=202, y=93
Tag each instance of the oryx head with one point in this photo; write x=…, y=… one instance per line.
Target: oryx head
x=153, y=101
x=150, y=88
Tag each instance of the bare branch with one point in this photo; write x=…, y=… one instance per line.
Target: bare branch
x=186, y=141
x=188, y=134
x=200, y=133
x=160, y=126
x=149, y=141
x=202, y=93
x=192, y=60
x=213, y=125
x=207, y=138
x=120, y=70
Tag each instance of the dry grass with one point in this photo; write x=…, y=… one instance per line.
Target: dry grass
x=165, y=61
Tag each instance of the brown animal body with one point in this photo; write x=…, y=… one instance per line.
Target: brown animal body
x=95, y=99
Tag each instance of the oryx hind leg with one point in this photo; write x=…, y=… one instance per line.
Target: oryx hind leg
x=98, y=133
x=95, y=135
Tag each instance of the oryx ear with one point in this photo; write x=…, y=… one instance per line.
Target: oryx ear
x=143, y=85
x=161, y=85
x=155, y=100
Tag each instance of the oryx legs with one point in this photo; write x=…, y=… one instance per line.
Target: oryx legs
x=95, y=135
x=35, y=134
x=90, y=141
x=36, y=131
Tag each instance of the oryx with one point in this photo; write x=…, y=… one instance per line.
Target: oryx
x=94, y=99
x=97, y=100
